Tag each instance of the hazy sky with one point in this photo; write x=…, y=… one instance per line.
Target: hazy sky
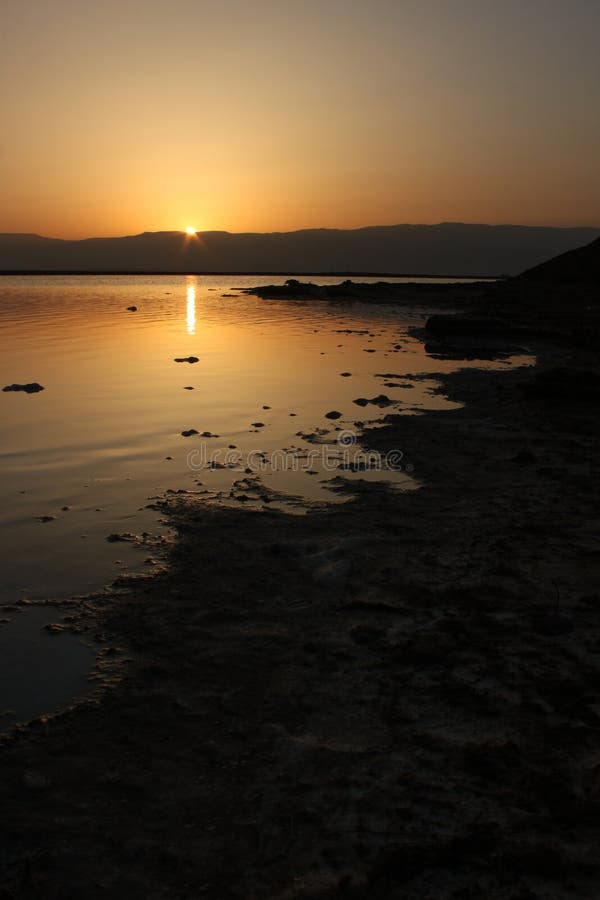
x=123, y=116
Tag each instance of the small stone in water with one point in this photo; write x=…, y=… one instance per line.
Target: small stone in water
x=32, y=388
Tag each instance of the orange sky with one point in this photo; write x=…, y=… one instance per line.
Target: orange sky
x=134, y=116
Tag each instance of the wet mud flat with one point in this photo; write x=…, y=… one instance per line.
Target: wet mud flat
x=395, y=697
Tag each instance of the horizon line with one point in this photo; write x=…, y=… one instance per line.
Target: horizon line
x=245, y=274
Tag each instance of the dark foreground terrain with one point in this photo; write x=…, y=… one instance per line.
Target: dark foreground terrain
x=397, y=697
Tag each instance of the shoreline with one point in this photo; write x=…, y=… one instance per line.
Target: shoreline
x=394, y=696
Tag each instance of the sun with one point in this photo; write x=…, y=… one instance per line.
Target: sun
x=190, y=230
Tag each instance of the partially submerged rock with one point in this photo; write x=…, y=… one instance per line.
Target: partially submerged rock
x=31, y=388
x=381, y=400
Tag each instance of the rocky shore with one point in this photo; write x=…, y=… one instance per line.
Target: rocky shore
x=394, y=697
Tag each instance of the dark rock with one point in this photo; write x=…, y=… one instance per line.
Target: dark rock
x=187, y=359
x=32, y=388
x=345, y=374
x=132, y=308
x=444, y=326
x=333, y=414
x=189, y=432
x=258, y=424
x=380, y=400
x=465, y=347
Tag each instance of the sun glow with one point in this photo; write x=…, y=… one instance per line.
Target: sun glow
x=191, y=308
x=190, y=230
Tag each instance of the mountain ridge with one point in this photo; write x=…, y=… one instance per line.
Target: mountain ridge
x=435, y=250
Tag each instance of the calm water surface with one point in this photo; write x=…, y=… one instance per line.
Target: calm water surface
x=115, y=403
x=98, y=438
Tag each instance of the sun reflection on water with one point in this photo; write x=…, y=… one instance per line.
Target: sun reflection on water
x=191, y=308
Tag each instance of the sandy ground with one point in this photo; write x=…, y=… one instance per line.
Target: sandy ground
x=397, y=697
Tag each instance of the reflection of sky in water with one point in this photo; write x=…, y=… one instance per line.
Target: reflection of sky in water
x=105, y=435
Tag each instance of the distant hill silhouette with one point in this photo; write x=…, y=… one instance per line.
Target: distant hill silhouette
x=445, y=249
x=580, y=266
